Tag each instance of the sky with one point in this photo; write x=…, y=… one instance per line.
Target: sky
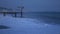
x=32, y=5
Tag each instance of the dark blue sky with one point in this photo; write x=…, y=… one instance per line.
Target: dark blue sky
x=33, y=5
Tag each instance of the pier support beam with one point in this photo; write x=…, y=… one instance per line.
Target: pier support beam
x=21, y=9
x=4, y=14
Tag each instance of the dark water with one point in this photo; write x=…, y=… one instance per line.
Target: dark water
x=47, y=17
x=4, y=27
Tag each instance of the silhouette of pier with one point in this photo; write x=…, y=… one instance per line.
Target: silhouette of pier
x=15, y=13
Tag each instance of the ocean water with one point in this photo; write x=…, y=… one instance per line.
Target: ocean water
x=48, y=17
x=31, y=23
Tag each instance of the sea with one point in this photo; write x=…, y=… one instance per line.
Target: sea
x=50, y=17
x=30, y=23
x=47, y=17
